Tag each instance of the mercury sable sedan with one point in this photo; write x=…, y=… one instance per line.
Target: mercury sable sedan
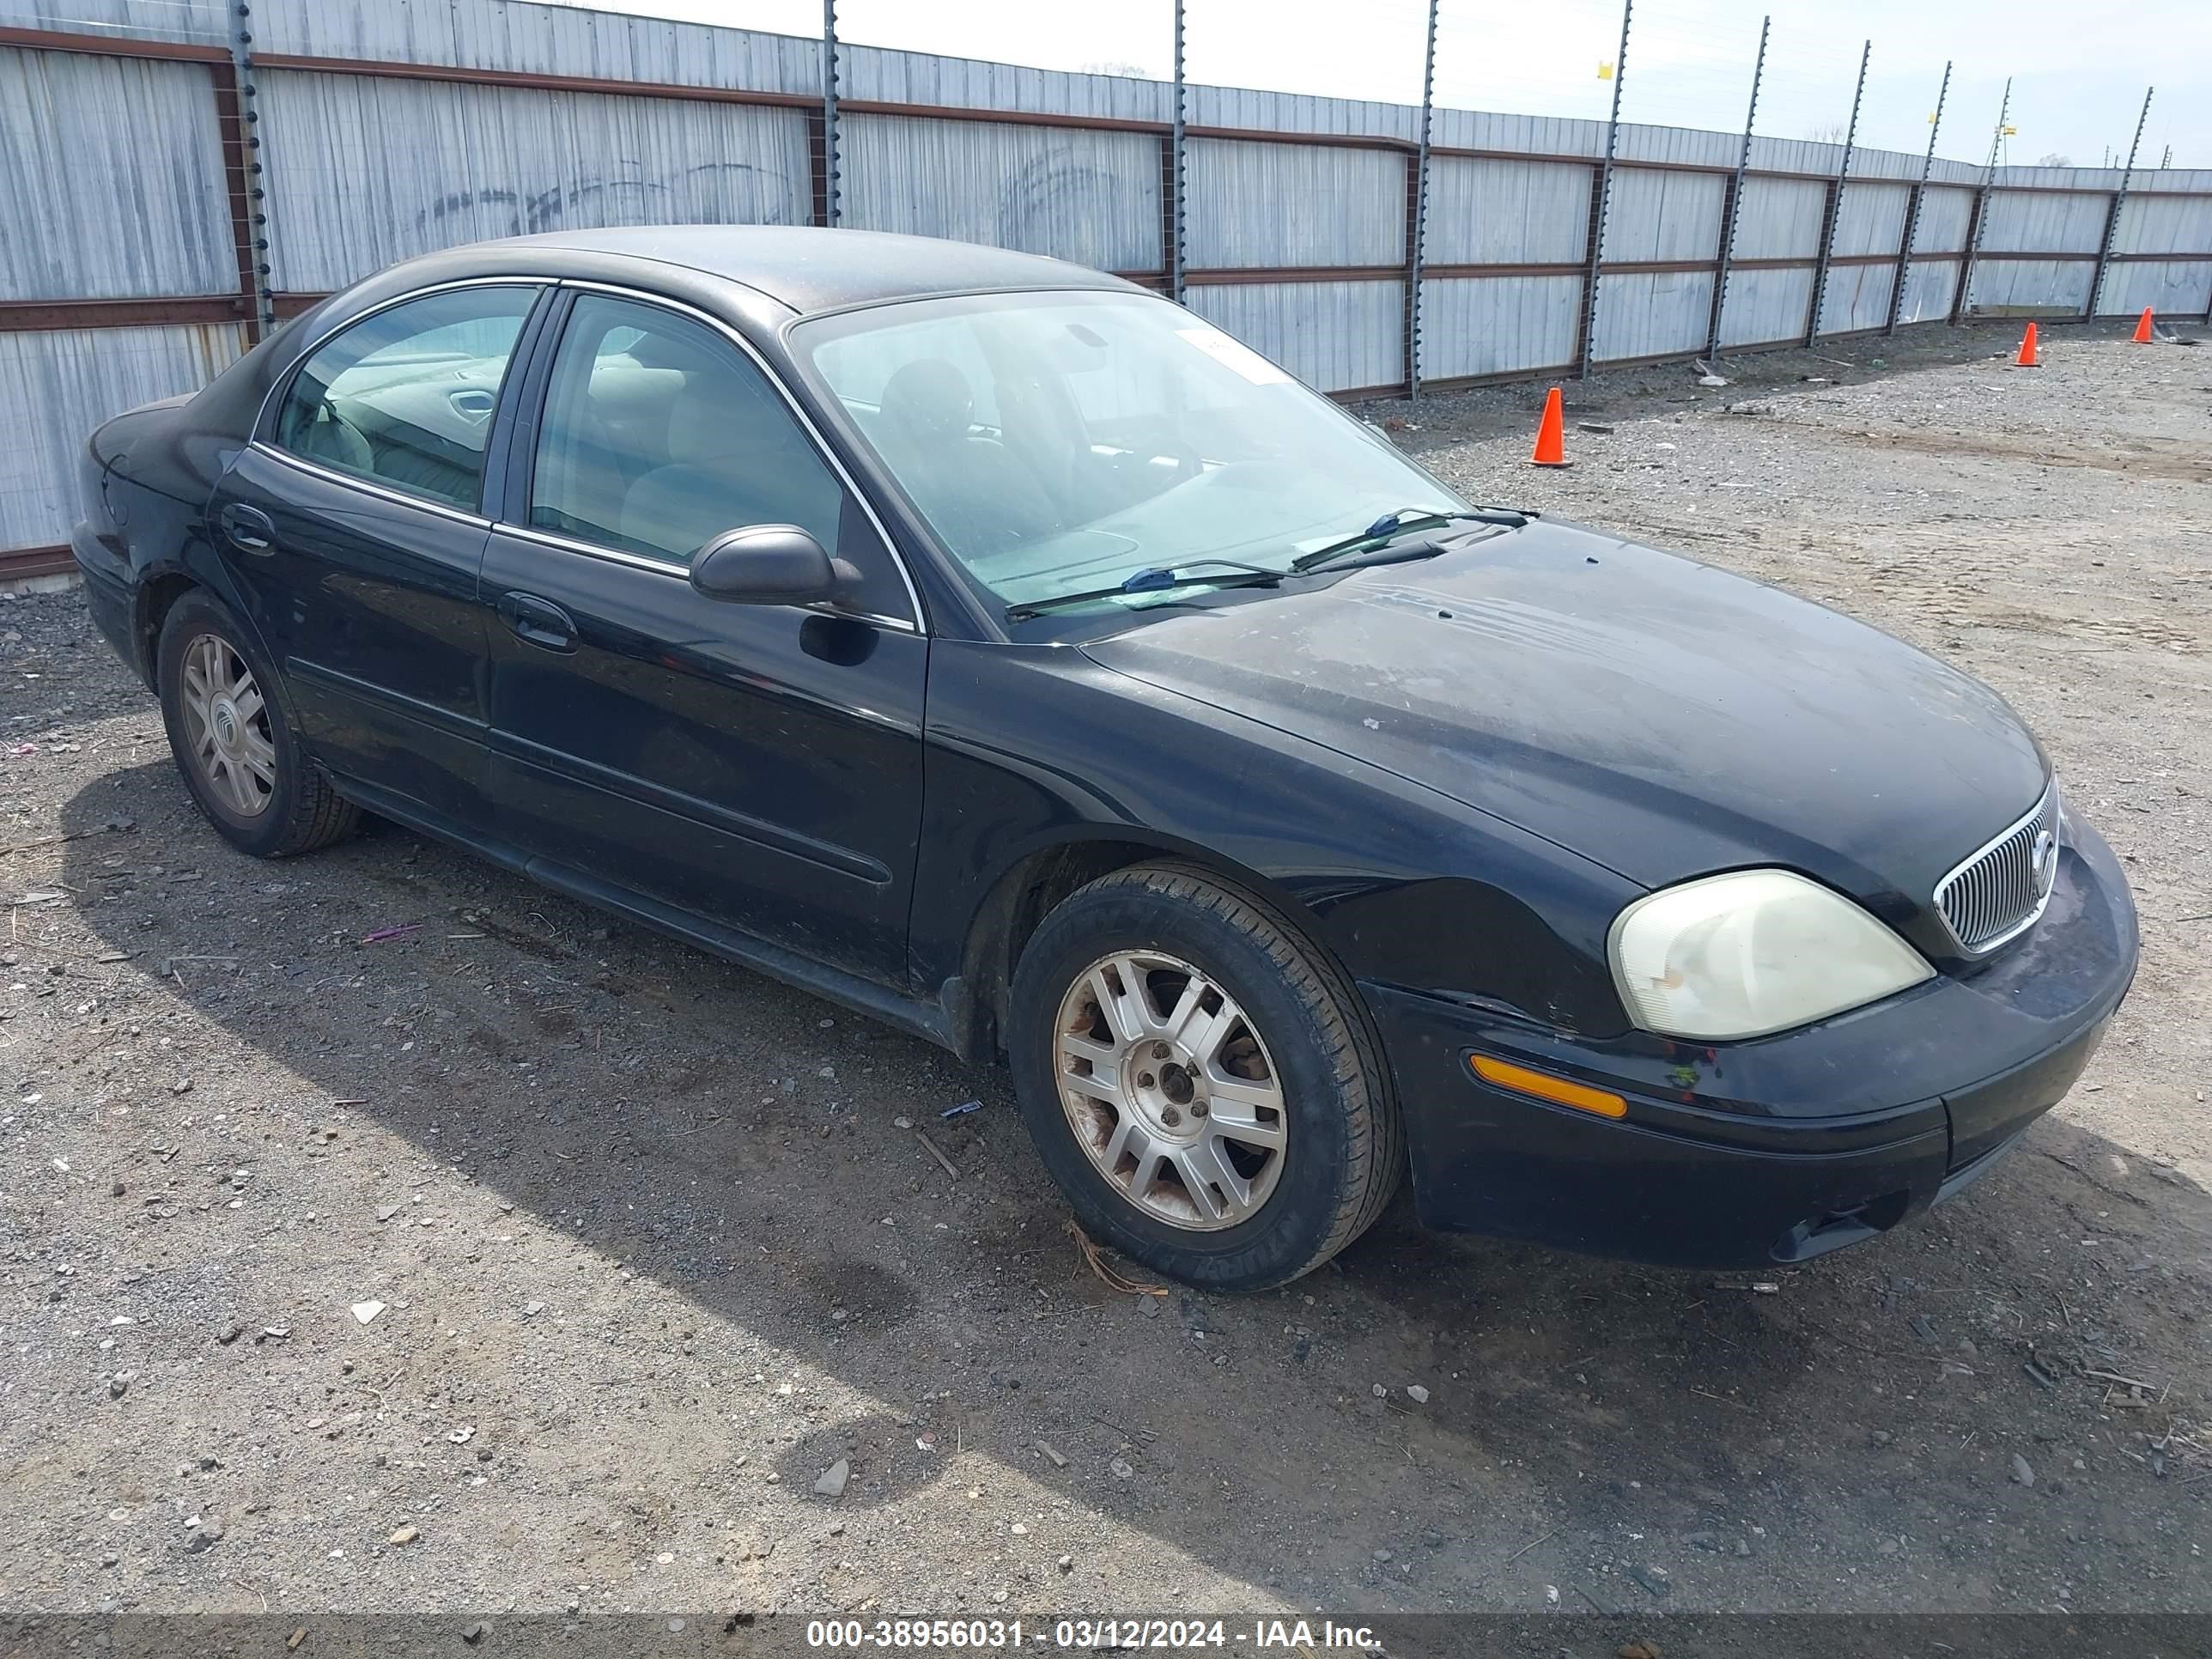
x=996, y=648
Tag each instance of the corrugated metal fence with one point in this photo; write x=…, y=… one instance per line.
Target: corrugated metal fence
x=175, y=173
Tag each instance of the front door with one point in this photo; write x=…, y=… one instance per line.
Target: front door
x=759, y=766
x=354, y=527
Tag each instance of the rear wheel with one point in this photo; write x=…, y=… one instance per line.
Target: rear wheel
x=228, y=732
x=1200, y=1081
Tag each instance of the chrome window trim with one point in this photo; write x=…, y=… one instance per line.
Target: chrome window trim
x=2045, y=801
x=283, y=384
x=645, y=296
x=384, y=492
x=675, y=572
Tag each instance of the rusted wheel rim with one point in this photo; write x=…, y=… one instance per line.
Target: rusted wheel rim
x=1170, y=1090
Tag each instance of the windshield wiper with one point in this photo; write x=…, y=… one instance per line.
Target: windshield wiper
x=1401, y=522
x=1156, y=579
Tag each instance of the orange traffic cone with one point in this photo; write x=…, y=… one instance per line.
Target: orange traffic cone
x=2027, y=359
x=2142, y=328
x=1552, y=435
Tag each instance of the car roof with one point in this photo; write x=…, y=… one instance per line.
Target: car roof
x=810, y=269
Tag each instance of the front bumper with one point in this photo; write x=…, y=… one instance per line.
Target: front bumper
x=1782, y=1148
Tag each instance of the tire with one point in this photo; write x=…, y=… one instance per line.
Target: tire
x=1191, y=1070
x=225, y=712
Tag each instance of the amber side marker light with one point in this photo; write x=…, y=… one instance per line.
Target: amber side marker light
x=1557, y=1090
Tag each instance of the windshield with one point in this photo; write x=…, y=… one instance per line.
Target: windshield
x=1061, y=442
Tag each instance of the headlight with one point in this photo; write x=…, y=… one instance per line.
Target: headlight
x=1758, y=951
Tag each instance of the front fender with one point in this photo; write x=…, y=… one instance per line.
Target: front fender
x=1037, y=746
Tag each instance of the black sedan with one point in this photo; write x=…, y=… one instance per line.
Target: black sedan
x=997, y=649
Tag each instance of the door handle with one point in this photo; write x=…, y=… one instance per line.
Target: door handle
x=247, y=528
x=538, y=621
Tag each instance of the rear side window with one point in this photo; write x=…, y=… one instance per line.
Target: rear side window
x=405, y=397
x=658, y=436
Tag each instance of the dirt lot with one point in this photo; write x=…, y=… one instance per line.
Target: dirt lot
x=656, y=1244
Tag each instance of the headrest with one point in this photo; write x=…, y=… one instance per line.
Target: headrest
x=719, y=417
x=929, y=399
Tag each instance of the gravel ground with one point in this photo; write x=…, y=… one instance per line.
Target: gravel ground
x=526, y=1260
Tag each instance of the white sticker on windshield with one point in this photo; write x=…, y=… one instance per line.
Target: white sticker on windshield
x=1242, y=358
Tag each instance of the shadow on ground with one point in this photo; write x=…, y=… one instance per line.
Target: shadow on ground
x=1588, y=1425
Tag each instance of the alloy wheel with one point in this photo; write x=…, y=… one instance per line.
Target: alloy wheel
x=226, y=725
x=1169, y=1090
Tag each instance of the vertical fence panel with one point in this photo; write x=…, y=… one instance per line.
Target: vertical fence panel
x=1336, y=337
x=64, y=382
x=79, y=131
x=1269, y=205
x=1093, y=198
x=462, y=119
x=497, y=161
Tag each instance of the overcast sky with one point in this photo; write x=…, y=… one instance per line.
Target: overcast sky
x=2079, y=69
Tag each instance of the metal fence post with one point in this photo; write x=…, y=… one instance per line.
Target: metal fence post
x=1959, y=306
x=1178, y=173
x=829, y=112
x=2119, y=199
x=1732, y=210
x=1417, y=233
x=1835, y=203
x=1603, y=187
x=255, y=266
x=1912, y=213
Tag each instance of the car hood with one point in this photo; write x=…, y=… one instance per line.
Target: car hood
x=1662, y=717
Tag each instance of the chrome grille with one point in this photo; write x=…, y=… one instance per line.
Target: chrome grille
x=2002, y=889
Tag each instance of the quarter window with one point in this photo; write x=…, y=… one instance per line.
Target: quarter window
x=657, y=437
x=405, y=397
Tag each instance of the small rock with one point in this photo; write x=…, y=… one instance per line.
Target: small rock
x=476, y=1633
x=1703, y=1540
x=404, y=1535
x=119, y=1384
x=386, y=1212
x=830, y=1483
x=1381, y=1556
x=1382, y=1393
x=1066, y=1564
x=2023, y=1471
x=1119, y=1468
x=1654, y=1579
x=1417, y=1393
x=1642, y=1648
x=532, y=1309
x=1019, y=1530
x=365, y=1311
x=183, y=1086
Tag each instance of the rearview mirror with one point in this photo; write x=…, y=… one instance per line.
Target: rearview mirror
x=769, y=564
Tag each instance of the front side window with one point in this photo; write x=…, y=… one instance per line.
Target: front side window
x=659, y=436
x=404, y=398
x=1058, y=443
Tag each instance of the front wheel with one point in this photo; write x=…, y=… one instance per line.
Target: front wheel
x=1202, y=1084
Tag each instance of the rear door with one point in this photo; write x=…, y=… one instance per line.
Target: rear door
x=756, y=766
x=354, y=526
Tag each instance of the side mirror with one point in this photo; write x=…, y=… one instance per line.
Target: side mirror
x=769, y=564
